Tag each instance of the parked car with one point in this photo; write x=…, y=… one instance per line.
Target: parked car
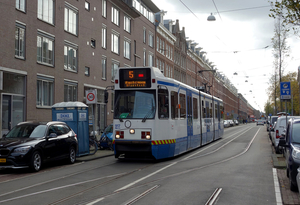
x=291, y=147
x=273, y=119
x=30, y=144
x=106, y=138
x=231, y=123
x=236, y=122
x=226, y=123
x=260, y=122
x=278, y=129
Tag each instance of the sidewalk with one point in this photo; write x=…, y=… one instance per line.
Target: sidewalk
x=97, y=155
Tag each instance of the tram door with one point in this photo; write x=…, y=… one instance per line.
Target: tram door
x=189, y=118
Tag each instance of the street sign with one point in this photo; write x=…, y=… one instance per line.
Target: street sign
x=285, y=90
x=91, y=96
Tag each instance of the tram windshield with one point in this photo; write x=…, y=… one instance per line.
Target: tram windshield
x=134, y=104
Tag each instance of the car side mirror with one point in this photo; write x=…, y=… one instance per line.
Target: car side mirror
x=52, y=135
x=282, y=142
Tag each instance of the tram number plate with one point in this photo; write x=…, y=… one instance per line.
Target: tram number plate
x=2, y=160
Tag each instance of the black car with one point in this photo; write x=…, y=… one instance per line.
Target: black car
x=291, y=143
x=30, y=144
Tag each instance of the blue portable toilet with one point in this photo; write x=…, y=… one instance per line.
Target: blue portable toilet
x=74, y=114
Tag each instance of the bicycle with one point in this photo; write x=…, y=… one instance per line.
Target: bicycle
x=93, y=145
x=105, y=142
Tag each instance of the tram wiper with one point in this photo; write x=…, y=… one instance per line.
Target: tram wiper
x=148, y=114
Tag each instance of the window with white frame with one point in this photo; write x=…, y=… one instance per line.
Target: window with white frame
x=157, y=43
x=127, y=48
x=87, y=5
x=70, y=56
x=144, y=35
x=115, y=42
x=151, y=39
x=20, y=40
x=144, y=57
x=127, y=24
x=71, y=19
x=70, y=91
x=45, y=48
x=151, y=59
x=115, y=15
x=114, y=68
x=20, y=5
x=104, y=33
x=104, y=8
x=104, y=67
x=44, y=91
x=46, y=10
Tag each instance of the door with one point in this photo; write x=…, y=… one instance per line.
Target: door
x=12, y=111
x=189, y=118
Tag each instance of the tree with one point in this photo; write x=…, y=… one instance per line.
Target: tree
x=268, y=108
x=289, y=11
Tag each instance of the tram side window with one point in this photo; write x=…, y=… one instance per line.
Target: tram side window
x=210, y=111
x=182, y=105
x=203, y=110
x=195, y=108
x=163, y=104
x=216, y=111
x=174, y=105
x=221, y=112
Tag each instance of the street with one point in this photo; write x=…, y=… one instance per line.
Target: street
x=238, y=168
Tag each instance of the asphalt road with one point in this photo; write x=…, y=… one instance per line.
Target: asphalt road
x=237, y=167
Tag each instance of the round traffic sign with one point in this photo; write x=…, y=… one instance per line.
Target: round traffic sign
x=90, y=97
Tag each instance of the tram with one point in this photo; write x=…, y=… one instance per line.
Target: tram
x=159, y=117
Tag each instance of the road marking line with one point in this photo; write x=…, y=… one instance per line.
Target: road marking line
x=96, y=201
x=277, y=188
x=212, y=199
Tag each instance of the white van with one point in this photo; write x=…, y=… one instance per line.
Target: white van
x=276, y=132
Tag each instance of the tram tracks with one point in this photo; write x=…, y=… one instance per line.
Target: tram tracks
x=134, y=185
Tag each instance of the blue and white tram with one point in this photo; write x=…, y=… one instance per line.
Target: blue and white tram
x=160, y=117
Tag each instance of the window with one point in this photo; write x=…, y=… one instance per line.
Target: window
x=174, y=105
x=103, y=62
x=151, y=39
x=70, y=91
x=45, y=48
x=163, y=103
x=144, y=35
x=87, y=6
x=195, y=108
x=144, y=56
x=114, y=68
x=112, y=102
x=46, y=10
x=70, y=56
x=45, y=91
x=71, y=19
x=127, y=46
x=104, y=8
x=20, y=4
x=87, y=71
x=93, y=43
x=127, y=24
x=115, y=16
x=103, y=40
x=20, y=40
x=182, y=106
x=151, y=59
x=115, y=42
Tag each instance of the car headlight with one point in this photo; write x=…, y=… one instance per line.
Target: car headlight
x=296, y=153
x=21, y=150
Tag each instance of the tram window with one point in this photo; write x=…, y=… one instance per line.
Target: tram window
x=195, y=108
x=216, y=110
x=163, y=104
x=174, y=105
x=182, y=106
x=221, y=112
x=203, y=110
x=207, y=109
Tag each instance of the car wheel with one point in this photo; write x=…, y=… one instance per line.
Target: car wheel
x=292, y=186
x=72, y=155
x=36, y=162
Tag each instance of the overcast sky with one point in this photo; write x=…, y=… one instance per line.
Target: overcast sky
x=239, y=41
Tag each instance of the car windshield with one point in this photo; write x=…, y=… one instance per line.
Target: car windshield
x=109, y=129
x=296, y=132
x=27, y=130
x=134, y=104
x=273, y=120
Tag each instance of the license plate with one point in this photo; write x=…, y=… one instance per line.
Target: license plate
x=2, y=160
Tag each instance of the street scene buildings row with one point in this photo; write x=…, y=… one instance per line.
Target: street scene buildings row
x=53, y=51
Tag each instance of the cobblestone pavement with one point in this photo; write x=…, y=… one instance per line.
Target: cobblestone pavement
x=288, y=197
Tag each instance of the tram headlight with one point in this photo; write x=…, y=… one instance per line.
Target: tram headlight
x=146, y=135
x=131, y=131
x=119, y=134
